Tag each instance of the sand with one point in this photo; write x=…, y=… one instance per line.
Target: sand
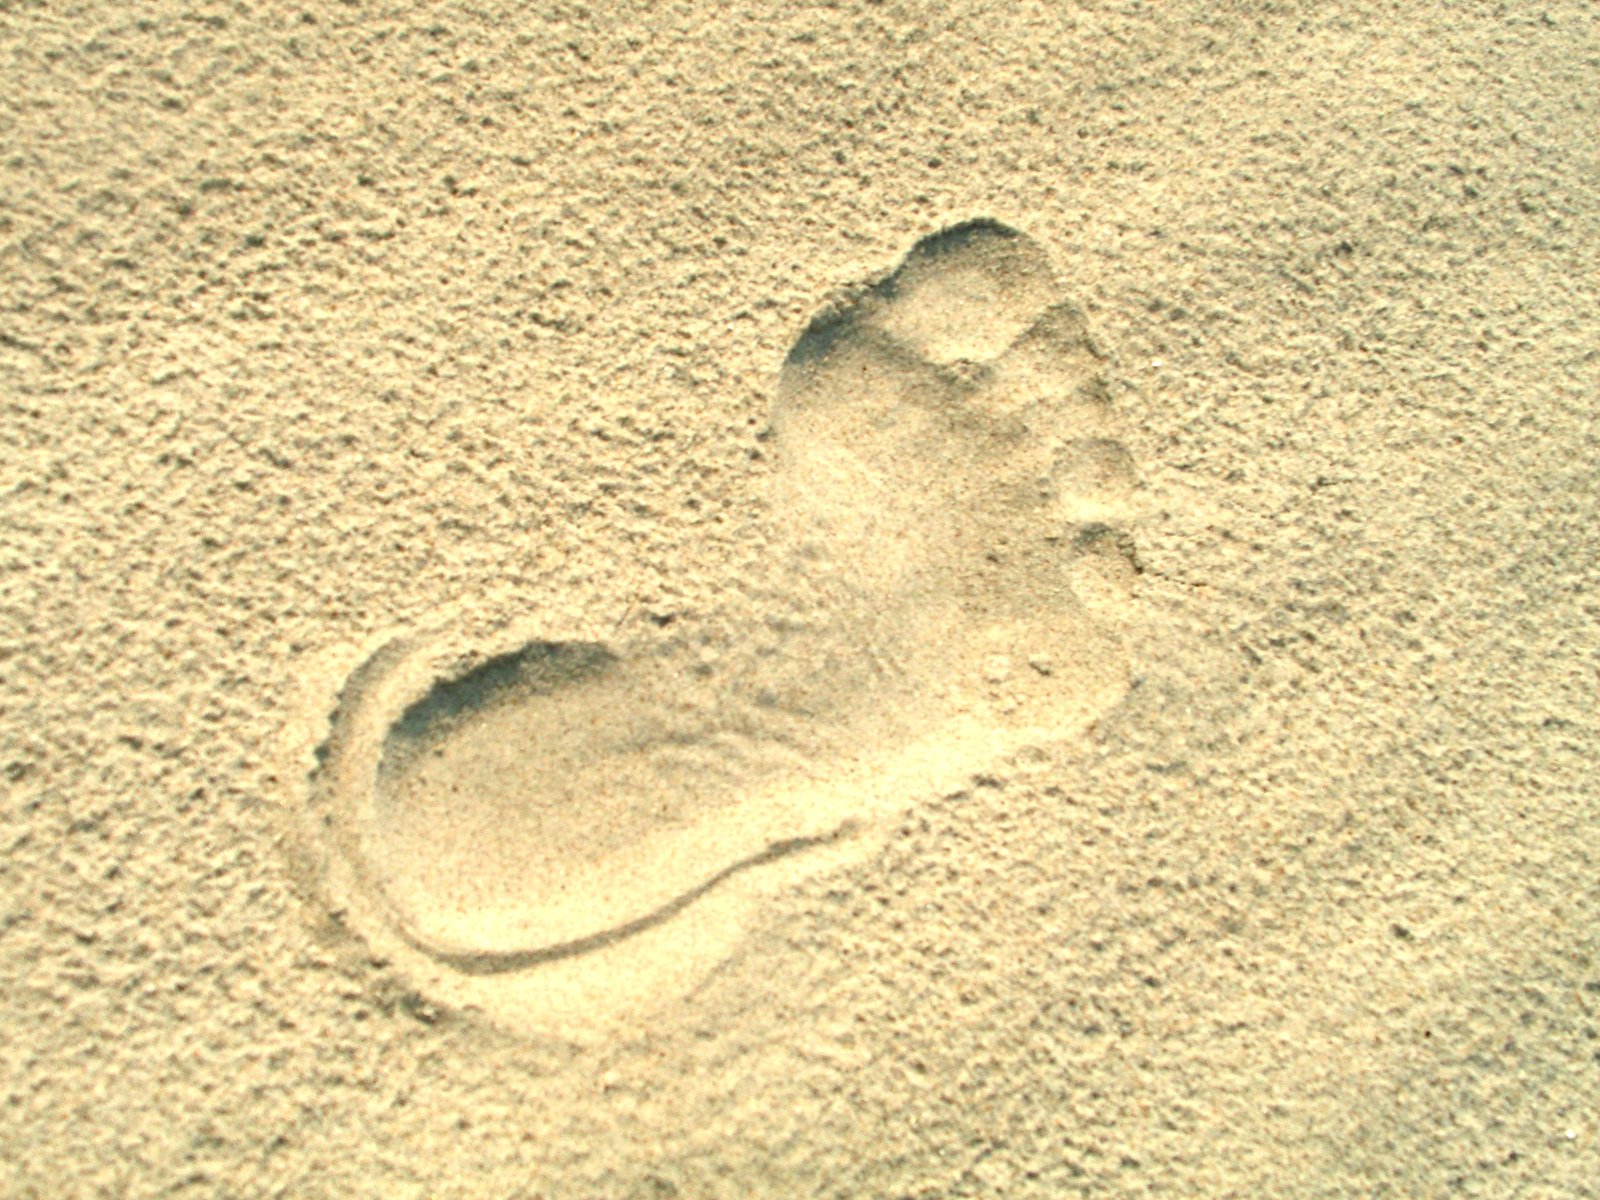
x=861, y=600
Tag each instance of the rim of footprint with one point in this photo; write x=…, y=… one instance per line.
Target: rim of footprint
x=564, y=833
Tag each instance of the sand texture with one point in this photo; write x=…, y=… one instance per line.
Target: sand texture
x=850, y=600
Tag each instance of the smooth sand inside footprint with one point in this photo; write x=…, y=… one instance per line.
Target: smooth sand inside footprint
x=946, y=495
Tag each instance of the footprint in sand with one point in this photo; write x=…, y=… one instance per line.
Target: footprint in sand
x=527, y=823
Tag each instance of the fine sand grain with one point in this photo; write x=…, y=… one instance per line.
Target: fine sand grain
x=856, y=600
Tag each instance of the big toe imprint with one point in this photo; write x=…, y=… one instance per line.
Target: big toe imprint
x=948, y=492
